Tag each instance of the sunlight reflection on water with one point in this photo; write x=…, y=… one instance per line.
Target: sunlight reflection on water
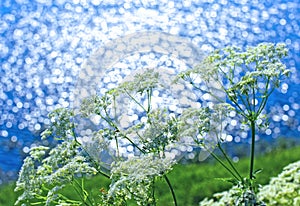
x=43, y=45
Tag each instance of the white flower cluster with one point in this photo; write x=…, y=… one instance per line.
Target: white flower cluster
x=241, y=74
x=95, y=145
x=159, y=131
x=46, y=172
x=283, y=190
x=147, y=80
x=134, y=178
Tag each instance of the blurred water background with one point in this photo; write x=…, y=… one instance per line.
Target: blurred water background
x=43, y=44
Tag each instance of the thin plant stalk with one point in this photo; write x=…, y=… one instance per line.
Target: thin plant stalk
x=229, y=161
x=83, y=199
x=224, y=165
x=171, y=189
x=153, y=191
x=252, y=124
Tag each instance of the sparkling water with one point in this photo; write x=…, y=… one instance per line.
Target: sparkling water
x=45, y=43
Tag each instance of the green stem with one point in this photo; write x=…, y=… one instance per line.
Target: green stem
x=202, y=90
x=246, y=103
x=82, y=197
x=254, y=97
x=72, y=202
x=135, y=145
x=117, y=145
x=153, y=192
x=104, y=174
x=239, y=109
x=111, y=123
x=149, y=95
x=252, y=124
x=253, y=118
x=85, y=192
x=139, y=104
x=229, y=161
x=98, y=166
x=265, y=98
x=263, y=104
x=223, y=164
x=171, y=189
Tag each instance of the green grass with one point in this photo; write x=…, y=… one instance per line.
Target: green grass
x=191, y=182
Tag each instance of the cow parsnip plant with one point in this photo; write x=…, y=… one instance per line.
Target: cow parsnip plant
x=101, y=140
x=247, y=78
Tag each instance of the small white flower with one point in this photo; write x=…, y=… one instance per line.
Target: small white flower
x=133, y=178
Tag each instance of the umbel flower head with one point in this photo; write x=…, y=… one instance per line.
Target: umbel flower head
x=157, y=132
x=134, y=178
x=47, y=170
x=37, y=176
x=283, y=189
x=247, y=77
x=141, y=82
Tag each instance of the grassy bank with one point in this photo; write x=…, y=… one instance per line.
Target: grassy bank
x=191, y=182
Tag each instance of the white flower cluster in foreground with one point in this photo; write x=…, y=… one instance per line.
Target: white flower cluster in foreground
x=134, y=178
x=283, y=190
x=39, y=174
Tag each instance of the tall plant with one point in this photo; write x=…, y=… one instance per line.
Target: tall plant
x=248, y=78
